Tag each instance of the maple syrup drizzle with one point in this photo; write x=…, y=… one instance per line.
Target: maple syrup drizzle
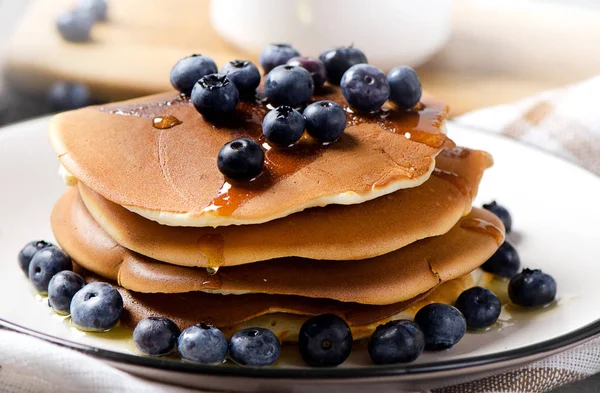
x=213, y=247
x=483, y=226
x=165, y=122
x=456, y=180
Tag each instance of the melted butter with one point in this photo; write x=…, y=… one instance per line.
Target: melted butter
x=165, y=122
x=483, y=226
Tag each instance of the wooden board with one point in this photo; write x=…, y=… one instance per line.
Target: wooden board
x=498, y=51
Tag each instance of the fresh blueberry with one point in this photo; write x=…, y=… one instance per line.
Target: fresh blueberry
x=254, y=347
x=75, y=26
x=325, y=341
x=405, y=87
x=61, y=289
x=339, y=60
x=532, y=288
x=288, y=85
x=315, y=67
x=97, y=307
x=275, y=55
x=325, y=120
x=156, y=336
x=66, y=96
x=215, y=95
x=502, y=214
x=203, y=344
x=243, y=74
x=96, y=8
x=29, y=251
x=241, y=159
x=283, y=126
x=45, y=264
x=504, y=263
x=188, y=71
x=442, y=325
x=365, y=87
x=480, y=307
x=399, y=341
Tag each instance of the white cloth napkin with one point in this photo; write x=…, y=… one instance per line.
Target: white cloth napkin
x=564, y=121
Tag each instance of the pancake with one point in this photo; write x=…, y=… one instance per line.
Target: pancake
x=170, y=175
x=386, y=279
x=283, y=315
x=331, y=233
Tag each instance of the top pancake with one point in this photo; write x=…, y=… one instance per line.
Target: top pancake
x=170, y=175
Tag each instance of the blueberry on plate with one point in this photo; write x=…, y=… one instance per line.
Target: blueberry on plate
x=339, y=60
x=75, y=26
x=288, y=85
x=325, y=341
x=442, y=325
x=45, y=264
x=405, y=87
x=155, y=336
x=532, y=288
x=254, y=347
x=283, y=126
x=241, y=159
x=365, y=87
x=29, y=251
x=275, y=55
x=97, y=307
x=243, y=74
x=315, y=67
x=61, y=289
x=188, y=71
x=502, y=213
x=325, y=120
x=398, y=341
x=203, y=344
x=215, y=95
x=96, y=8
x=505, y=262
x=66, y=96
x=480, y=307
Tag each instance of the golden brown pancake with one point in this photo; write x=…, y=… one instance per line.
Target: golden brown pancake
x=333, y=232
x=282, y=314
x=386, y=279
x=170, y=175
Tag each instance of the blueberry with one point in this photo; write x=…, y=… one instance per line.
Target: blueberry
x=66, y=96
x=288, y=85
x=241, y=159
x=97, y=307
x=283, y=126
x=504, y=263
x=243, y=74
x=315, y=67
x=254, y=347
x=502, y=214
x=75, y=26
x=188, y=71
x=325, y=340
x=405, y=87
x=365, y=87
x=532, y=288
x=96, y=8
x=203, y=344
x=399, y=341
x=442, y=325
x=275, y=55
x=325, y=120
x=480, y=307
x=61, y=289
x=215, y=95
x=156, y=336
x=45, y=264
x=339, y=60
x=29, y=251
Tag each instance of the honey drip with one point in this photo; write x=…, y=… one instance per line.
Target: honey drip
x=457, y=181
x=165, y=122
x=213, y=247
x=483, y=226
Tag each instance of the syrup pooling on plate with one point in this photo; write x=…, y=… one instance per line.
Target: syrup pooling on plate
x=482, y=226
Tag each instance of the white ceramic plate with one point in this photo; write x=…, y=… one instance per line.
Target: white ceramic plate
x=555, y=210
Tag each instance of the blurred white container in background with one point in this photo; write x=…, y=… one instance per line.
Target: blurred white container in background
x=390, y=32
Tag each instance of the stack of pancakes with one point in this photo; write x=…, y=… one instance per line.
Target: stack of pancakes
x=364, y=227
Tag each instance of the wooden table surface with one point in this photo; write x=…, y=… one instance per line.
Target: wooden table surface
x=497, y=52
